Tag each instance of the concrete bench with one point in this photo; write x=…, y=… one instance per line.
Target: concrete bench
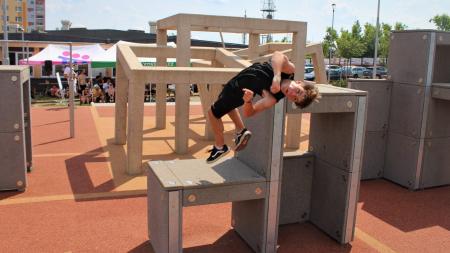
x=179, y=183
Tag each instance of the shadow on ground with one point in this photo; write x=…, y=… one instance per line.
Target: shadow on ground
x=404, y=209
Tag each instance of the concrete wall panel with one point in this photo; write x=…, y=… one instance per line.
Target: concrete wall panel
x=258, y=151
x=441, y=73
x=11, y=102
x=248, y=219
x=158, y=214
x=193, y=197
x=331, y=138
x=379, y=94
x=407, y=104
x=13, y=161
x=374, y=151
x=296, y=188
x=436, y=167
x=443, y=38
x=329, y=199
x=438, y=122
x=408, y=57
x=401, y=159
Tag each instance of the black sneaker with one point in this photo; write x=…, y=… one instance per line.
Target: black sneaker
x=216, y=154
x=241, y=139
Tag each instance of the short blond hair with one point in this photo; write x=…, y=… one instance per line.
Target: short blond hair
x=311, y=94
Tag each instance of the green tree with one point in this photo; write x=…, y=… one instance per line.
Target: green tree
x=368, y=39
x=357, y=40
x=442, y=22
x=385, y=40
x=349, y=45
x=329, y=41
x=399, y=26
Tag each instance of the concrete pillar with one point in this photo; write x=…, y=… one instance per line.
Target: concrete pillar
x=319, y=67
x=253, y=44
x=208, y=95
x=182, y=91
x=294, y=121
x=108, y=72
x=161, y=88
x=37, y=69
x=120, y=129
x=206, y=101
x=135, y=125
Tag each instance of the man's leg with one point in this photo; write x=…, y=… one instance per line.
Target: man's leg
x=242, y=134
x=217, y=127
x=237, y=120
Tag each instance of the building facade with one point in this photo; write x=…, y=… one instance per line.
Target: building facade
x=29, y=14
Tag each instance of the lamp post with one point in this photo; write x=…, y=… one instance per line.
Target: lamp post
x=329, y=48
x=20, y=28
x=374, y=72
x=5, y=48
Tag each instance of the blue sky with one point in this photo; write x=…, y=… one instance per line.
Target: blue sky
x=135, y=14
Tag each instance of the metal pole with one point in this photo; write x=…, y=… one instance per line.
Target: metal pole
x=71, y=95
x=5, y=35
x=28, y=53
x=329, y=49
x=23, y=44
x=374, y=74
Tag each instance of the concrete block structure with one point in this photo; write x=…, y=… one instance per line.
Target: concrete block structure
x=250, y=182
x=417, y=137
x=379, y=94
x=211, y=68
x=332, y=170
x=320, y=186
x=15, y=132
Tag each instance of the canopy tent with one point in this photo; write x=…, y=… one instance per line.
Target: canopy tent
x=108, y=60
x=89, y=54
x=60, y=54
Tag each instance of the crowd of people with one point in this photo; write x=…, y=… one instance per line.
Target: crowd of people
x=98, y=90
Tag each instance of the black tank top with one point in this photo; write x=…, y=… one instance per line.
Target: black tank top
x=258, y=77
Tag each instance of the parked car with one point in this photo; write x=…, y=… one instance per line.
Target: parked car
x=353, y=71
x=381, y=72
x=335, y=71
x=309, y=74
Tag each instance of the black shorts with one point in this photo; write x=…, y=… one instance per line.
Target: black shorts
x=229, y=99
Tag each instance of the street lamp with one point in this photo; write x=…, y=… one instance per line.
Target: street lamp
x=374, y=72
x=329, y=48
x=19, y=28
x=5, y=46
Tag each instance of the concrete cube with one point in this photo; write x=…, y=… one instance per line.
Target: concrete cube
x=379, y=94
x=406, y=109
x=408, y=57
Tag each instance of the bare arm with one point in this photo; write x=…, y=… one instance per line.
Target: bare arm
x=251, y=108
x=280, y=63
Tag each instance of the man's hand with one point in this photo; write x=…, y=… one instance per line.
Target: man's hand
x=248, y=95
x=275, y=87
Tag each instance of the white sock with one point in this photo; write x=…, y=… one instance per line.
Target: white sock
x=219, y=148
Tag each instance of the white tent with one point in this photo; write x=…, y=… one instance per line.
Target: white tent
x=109, y=58
x=60, y=54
